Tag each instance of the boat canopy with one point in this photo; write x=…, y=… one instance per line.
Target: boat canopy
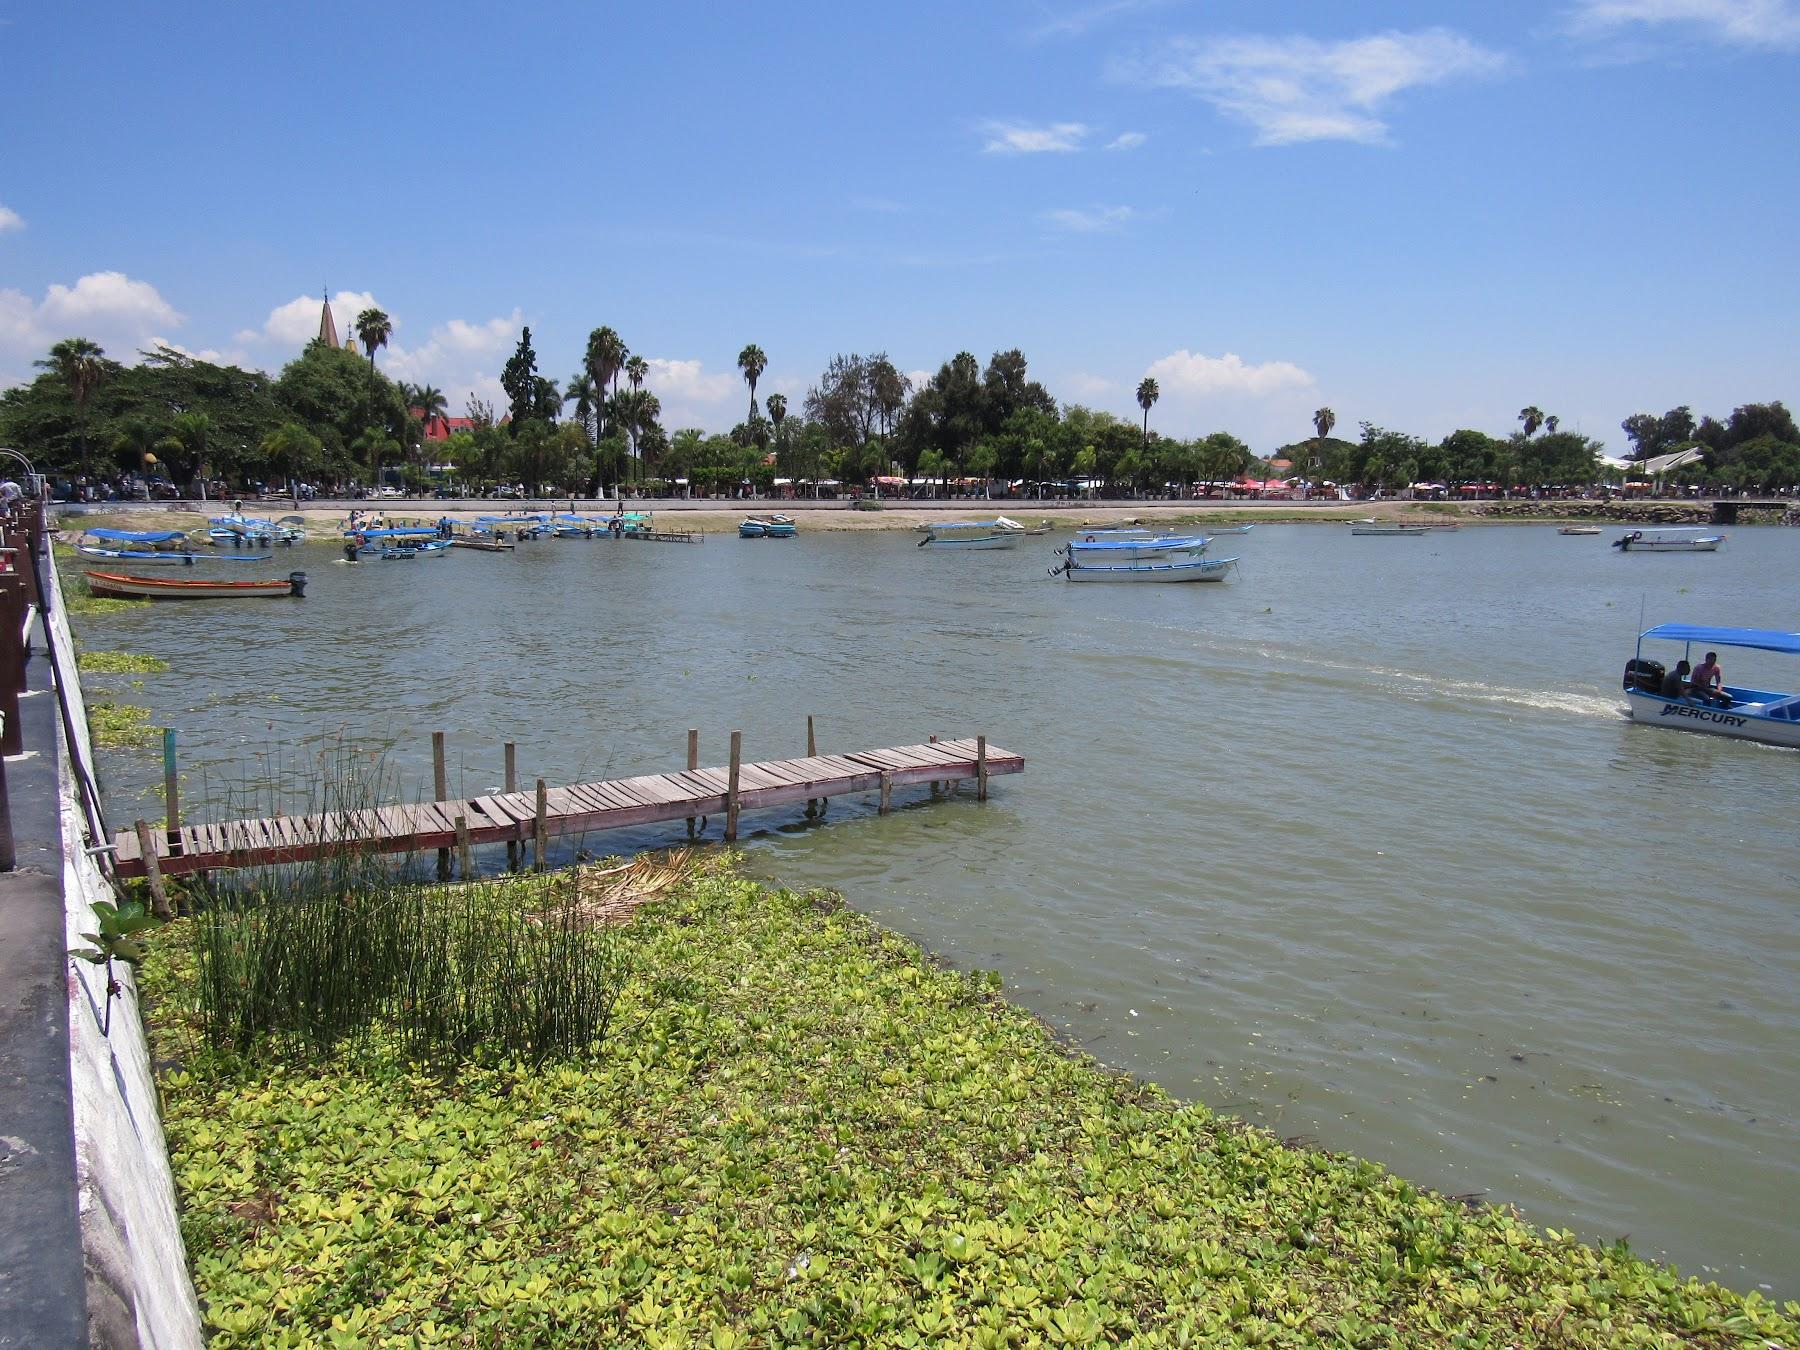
x=1764, y=639
x=395, y=532
x=135, y=536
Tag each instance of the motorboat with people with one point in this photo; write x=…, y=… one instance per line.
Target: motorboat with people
x=1176, y=569
x=1662, y=698
x=972, y=534
x=1670, y=539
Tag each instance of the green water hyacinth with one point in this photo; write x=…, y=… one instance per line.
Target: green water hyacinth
x=802, y=1131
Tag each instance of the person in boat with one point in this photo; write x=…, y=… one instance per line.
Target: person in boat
x=1675, y=683
x=1708, y=682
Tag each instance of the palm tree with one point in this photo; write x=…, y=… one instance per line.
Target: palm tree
x=190, y=430
x=138, y=438
x=752, y=362
x=636, y=369
x=1147, y=394
x=377, y=445
x=292, y=447
x=1551, y=423
x=1533, y=418
x=79, y=364
x=605, y=354
x=580, y=391
x=1323, y=421
x=430, y=402
x=373, y=327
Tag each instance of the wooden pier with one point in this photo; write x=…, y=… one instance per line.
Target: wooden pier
x=518, y=818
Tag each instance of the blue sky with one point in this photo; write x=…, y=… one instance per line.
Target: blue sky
x=1426, y=215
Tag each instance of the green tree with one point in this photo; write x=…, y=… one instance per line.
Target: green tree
x=376, y=446
x=81, y=366
x=581, y=392
x=752, y=362
x=336, y=397
x=636, y=371
x=192, y=431
x=137, y=441
x=1147, y=394
x=373, y=328
x=1324, y=419
x=980, y=461
x=1531, y=417
x=291, y=448
x=519, y=379
x=934, y=468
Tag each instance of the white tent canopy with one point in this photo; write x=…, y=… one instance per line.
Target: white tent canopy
x=1663, y=463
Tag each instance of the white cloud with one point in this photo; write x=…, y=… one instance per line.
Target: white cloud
x=1127, y=140
x=230, y=357
x=1296, y=89
x=297, y=322
x=1085, y=385
x=10, y=220
x=688, y=382
x=1089, y=220
x=1075, y=22
x=110, y=308
x=918, y=379
x=1745, y=23
x=1024, y=138
x=1185, y=372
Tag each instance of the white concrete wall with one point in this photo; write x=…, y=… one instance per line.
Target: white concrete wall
x=139, y=1293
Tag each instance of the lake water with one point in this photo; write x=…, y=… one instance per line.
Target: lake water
x=1357, y=845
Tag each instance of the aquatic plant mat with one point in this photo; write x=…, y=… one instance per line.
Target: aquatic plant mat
x=798, y=1130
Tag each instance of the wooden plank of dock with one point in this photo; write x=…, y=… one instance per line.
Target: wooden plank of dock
x=579, y=808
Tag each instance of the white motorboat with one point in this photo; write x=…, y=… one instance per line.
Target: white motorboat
x=1385, y=529
x=1579, y=529
x=1089, y=547
x=971, y=534
x=1748, y=714
x=1184, y=569
x=1670, y=539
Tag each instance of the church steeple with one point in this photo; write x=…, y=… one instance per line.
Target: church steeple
x=327, y=324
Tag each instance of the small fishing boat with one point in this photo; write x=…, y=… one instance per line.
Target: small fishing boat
x=1042, y=527
x=631, y=523
x=1092, y=548
x=481, y=543
x=534, y=526
x=565, y=525
x=121, y=586
x=1670, y=539
x=1579, y=529
x=973, y=534
x=752, y=528
x=767, y=527
x=1748, y=714
x=1216, y=530
x=391, y=540
x=160, y=547
x=1385, y=529
x=1185, y=569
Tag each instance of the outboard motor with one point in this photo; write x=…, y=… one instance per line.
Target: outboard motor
x=1644, y=675
x=298, y=581
x=1624, y=541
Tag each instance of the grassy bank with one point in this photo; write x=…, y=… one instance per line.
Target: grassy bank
x=802, y=1131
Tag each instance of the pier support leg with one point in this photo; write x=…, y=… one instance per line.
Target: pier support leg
x=812, y=751
x=935, y=785
x=540, y=827
x=887, y=791
x=731, y=786
x=462, y=847
x=512, y=785
x=159, y=893
x=693, y=763
x=171, y=790
x=981, y=773
x=440, y=783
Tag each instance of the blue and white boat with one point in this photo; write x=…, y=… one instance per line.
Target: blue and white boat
x=239, y=530
x=1765, y=715
x=753, y=528
x=141, y=546
x=564, y=525
x=1185, y=569
x=394, y=540
x=1091, y=547
x=970, y=534
x=767, y=527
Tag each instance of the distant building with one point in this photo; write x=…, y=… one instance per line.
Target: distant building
x=441, y=428
x=328, y=325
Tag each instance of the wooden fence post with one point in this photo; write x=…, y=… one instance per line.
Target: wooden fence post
x=887, y=790
x=731, y=786
x=440, y=783
x=512, y=785
x=159, y=894
x=981, y=768
x=935, y=785
x=540, y=827
x=171, y=790
x=812, y=751
x=462, y=846
x=693, y=763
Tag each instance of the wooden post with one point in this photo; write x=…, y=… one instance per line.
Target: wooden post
x=693, y=763
x=935, y=785
x=981, y=768
x=731, y=786
x=171, y=790
x=9, y=857
x=13, y=678
x=462, y=847
x=887, y=790
x=812, y=750
x=440, y=783
x=540, y=827
x=512, y=785
x=159, y=894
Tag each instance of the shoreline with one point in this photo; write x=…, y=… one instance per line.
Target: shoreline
x=326, y=521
